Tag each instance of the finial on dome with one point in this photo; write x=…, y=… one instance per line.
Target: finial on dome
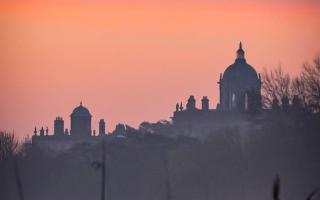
x=240, y=52
x=80, y=103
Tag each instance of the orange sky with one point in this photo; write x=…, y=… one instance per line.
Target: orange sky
x=131, y=61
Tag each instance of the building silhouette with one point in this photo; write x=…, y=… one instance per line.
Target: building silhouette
x=240, y=93
x=80, y=121
x=240, y=85
x=205, y=103
x=58, y=126
x=240, y=88
x=62, y=139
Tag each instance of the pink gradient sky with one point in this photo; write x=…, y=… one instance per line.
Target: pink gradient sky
x=131, y=61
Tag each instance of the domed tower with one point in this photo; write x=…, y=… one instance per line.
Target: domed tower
x=80, y=121
x=240, y=85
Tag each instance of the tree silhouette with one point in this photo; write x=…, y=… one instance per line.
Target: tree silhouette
x=310, y=78
x=276, y=84
x=8, y=149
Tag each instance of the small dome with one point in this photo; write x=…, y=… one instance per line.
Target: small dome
x=80, y=111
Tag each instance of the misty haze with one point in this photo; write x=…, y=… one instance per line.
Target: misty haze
x=254, y=136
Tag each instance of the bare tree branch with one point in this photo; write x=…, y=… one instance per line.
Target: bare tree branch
x=310, y=78
x=276, y=84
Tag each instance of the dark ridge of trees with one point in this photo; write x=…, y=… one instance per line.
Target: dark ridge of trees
x=279, y=87
x=8, y=150
x=8, y=145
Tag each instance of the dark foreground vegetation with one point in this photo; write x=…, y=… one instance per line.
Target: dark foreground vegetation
x=228, y=164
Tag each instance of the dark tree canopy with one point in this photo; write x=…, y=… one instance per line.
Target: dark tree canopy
x=303, y=90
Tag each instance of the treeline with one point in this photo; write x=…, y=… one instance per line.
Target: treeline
x=229, y=164
x=279, y=89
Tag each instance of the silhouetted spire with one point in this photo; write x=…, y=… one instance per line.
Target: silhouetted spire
x=80, y=103
x=42, y=131
x=240, y=52
x=181, y=106
x=35, y=131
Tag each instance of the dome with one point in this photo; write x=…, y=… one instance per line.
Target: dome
x=80, y=111
x=240, y=70
x=240, y=85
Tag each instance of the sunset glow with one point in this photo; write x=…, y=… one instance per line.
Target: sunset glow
x=133, y=61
